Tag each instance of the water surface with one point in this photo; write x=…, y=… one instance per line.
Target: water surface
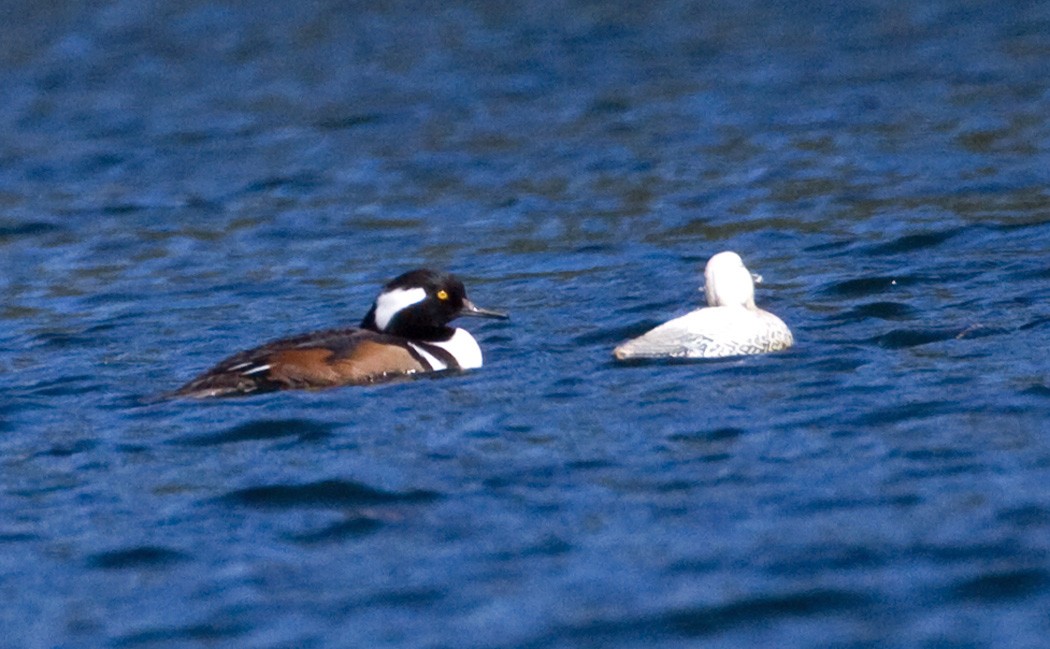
x=178, y=182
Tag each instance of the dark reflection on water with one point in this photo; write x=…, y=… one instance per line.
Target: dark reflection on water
x=178, y=182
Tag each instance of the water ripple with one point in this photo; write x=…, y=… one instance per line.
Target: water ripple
x=324, y=493
x=1002, y=586
x=266, y=429
x=145, y=556
x=708, y=620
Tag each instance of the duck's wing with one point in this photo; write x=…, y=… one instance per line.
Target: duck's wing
x=684, y=337
x=350, y=356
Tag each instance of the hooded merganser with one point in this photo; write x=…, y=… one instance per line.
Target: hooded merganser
x=406, y=332
x=730, y=326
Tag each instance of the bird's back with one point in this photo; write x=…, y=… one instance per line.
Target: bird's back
x=711, y=332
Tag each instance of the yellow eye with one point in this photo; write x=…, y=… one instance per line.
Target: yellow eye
x=442, y=294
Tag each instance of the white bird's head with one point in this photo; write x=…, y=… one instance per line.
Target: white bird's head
x=727, y=282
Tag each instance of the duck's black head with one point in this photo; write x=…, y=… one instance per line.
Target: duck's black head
x=420, y=304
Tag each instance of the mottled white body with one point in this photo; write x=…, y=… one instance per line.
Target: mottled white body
x=730, y=326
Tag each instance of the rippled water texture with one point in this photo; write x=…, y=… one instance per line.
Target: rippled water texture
x=181, y=180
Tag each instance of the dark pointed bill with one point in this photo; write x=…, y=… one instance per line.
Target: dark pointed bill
x=471, y=309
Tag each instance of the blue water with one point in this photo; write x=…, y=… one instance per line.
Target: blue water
x=182, y=180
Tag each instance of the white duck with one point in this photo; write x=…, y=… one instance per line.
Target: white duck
x=730, y=326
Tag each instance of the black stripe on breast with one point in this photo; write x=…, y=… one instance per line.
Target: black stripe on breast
x=439, y=353
x=416, y=355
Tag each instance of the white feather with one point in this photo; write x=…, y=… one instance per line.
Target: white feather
x=463, y=348
x=389, y=303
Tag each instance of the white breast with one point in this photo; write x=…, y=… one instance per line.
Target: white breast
x=461, y=346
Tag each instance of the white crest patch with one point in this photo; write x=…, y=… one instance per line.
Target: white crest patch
x=390, y=302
